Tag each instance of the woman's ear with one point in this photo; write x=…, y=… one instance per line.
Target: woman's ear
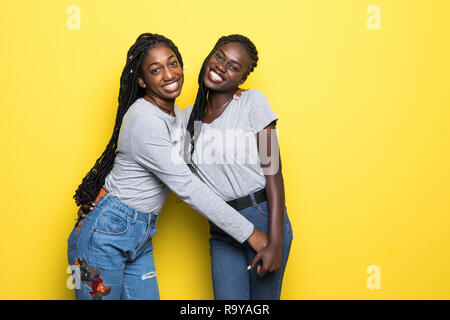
x=141, y=83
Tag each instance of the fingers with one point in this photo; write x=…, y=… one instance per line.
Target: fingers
x=88, y=206
x=261, y=271
x=85, y=208
x=255, y=260
x=263, y=267
x=80, y=213
x=238, y=93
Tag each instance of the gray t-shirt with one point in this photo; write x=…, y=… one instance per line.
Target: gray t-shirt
x=149, y=162
x=226, y=155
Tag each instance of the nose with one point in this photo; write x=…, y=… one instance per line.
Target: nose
x=220, y=67
x=168, y=74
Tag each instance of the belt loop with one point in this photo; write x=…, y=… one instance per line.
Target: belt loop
x=135, y=217
x=252, y=196
x=150, y=217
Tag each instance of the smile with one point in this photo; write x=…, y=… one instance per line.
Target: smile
x=215, y=77
x=171, y=87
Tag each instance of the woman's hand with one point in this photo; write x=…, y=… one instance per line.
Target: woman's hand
x=85, y=209
x=238, y=93
x=271, y=257
x=257, y=240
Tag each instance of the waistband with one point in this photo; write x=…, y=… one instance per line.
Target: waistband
x=250, y=200
x=107, y=199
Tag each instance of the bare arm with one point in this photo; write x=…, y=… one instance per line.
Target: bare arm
x=271, y=256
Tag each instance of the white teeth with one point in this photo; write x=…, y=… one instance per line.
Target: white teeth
x=171, y=86
x=215, y=76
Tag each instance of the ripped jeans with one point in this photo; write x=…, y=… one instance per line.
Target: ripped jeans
x=110, y=253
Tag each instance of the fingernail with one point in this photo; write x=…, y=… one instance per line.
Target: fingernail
x=249, y=267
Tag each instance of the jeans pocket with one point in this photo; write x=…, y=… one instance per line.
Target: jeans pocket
x=77, y=231
x=111, y=223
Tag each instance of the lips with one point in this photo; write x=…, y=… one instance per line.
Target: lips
x=171, y=87
x=215, y=77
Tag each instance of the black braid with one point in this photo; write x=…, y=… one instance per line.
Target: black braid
x=129, y=92
x=199, y=108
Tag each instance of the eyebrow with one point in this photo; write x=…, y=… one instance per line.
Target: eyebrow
x=229, y=58
x=172, y=56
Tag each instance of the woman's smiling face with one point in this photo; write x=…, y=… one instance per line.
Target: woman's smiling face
x=227, y=68
x=162, y=75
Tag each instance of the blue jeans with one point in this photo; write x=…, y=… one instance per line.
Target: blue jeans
x=230, y=259
x=110, y=252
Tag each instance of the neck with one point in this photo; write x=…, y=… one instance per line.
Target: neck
x=163, y=104
x=217, y=99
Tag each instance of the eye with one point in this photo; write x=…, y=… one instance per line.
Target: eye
x=174, y=63
x=219, y=57
x=233, y=68
x=156, y=70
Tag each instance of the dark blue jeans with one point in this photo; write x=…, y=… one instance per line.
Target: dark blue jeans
x=110, y=252
x=230, y=259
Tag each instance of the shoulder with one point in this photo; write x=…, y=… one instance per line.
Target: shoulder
x=260, y=111
x=254, y=95
x=253, y=98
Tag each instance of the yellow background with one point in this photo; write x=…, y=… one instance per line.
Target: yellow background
x=364, y=132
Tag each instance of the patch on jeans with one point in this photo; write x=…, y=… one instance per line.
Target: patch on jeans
x=80, y=223
x=151, y=274
x=91, y=277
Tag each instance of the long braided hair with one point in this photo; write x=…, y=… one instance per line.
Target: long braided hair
x=199, y=108
x=129, y=92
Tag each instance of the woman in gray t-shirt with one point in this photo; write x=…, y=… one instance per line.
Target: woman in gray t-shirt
x=232, y=146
